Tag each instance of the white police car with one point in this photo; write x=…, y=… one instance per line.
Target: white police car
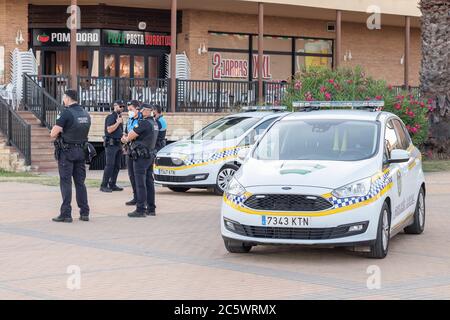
x=329, y=177
x=208, y=159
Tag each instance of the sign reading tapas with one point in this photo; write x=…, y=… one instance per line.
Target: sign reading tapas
x=135, y=38
x=225, y=68
x=61, y=37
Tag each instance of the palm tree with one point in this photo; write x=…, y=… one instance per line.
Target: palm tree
x=435, y=72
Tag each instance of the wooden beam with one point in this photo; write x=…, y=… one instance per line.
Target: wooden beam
x=337, y=56
x=73, y=46
x=407, y=50
x=173, y=56
x=260, y=51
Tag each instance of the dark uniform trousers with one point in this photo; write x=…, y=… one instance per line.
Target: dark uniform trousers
x=145, y=188
x=71, y=164
x=130, y=166
x=112, y=167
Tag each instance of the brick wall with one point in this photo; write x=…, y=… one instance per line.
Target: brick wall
x=13, y=16
x=179, y=125
x=378, y=51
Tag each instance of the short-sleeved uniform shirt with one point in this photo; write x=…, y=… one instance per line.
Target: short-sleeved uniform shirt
x=132, y=122
x=65, y=118
x=145, y=130
x=110, y=120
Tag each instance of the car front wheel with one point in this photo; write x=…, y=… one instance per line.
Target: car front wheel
x=419, y=216
x=178, y=189
x=234, y=246
x=223, y=178
x=380, y=248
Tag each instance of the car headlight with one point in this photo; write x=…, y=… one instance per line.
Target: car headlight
x=235, y=188
x=177, y=161
x=358, y=188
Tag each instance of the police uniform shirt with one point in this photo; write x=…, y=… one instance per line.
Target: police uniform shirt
x=132, y=122
x=110, y=121
x=147, y=131
x=74, y=130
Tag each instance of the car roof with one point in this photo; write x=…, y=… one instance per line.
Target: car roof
x=258, y=114
x=362, y=115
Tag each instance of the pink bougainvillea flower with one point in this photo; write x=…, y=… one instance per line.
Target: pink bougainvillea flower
x=331, y=81
x=422, y=104
x=298, y=85
x=323, y=89
x=397, y=106
x=414, y=130
x=379, y=98
x=328, y=96
x=390, y=87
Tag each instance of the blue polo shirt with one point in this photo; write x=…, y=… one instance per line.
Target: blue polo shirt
x=132, y=122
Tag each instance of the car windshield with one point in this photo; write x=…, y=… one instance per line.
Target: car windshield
x=335, y=140
x=226, y=128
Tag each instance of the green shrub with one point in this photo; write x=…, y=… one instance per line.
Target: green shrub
x=323, y=84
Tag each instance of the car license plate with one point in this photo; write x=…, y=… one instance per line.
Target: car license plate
x=280, y=221
x=166, y=172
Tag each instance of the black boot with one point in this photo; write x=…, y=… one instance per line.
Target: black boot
x=136, y=214
x=150, y=212
x=62, y=219
x=84, y=218
x=105, y=189
x=131, y=202
x=116, y=188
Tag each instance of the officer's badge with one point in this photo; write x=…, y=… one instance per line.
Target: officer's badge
x=58, y=116
x=136, y=126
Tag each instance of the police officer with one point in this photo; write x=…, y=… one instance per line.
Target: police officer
x=162, y=126
x=143, y=141
x=113, y=148
x=133, y=118
x=71, y=130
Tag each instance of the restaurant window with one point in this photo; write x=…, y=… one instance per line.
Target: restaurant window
x=228, y=41
x=313, y=53
x=139, y=67
x=124, y=71
x=302, y=62
x=153, y=63
x=110, y=65
x=283, y=44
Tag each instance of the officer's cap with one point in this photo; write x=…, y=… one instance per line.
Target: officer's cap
x=134, y=103
x=145, y=106
x=120, y=103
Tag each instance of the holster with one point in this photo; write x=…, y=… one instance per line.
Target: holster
x=89, y=152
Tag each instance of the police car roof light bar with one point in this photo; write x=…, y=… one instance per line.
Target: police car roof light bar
x=371, y=105
x=263, y=108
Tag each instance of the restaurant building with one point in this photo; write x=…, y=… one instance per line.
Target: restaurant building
x=220, y=37
x=234, y=52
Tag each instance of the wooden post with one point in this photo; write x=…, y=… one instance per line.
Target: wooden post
x=73, y=46
x=260, y=51
x=173, y=56
x=407, y=51
x=337, y=56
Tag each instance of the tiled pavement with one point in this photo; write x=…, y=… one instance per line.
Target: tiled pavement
x=179, y=254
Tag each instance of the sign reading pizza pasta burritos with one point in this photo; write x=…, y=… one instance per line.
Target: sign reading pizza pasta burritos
x=135, y=39
x=61, y=37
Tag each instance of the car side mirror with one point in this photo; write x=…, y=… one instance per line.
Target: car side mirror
x=399, y=156
x=242, y=154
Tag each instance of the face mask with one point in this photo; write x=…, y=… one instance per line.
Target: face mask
x=131, y=114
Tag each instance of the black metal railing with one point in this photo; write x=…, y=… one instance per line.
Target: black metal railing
x=214, y=96
x=16, y=130
x=415, y=91
x=55, y=85
x=99, y=93
x=37, y=100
